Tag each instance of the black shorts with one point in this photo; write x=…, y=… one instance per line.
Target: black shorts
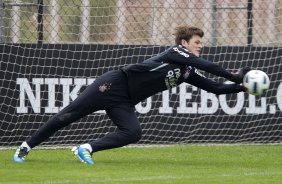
x=107, y=91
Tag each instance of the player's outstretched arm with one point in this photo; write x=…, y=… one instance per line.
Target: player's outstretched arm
x=212, y=86
x=180, y=55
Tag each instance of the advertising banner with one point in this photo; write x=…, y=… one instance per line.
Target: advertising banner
x=38, y=82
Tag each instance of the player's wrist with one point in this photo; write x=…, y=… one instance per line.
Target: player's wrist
x=242, y=88
x=237, y=78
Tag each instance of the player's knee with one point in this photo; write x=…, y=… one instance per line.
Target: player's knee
x=66, y=118
x=138, y=134
x=135, y=134
x=69, y=114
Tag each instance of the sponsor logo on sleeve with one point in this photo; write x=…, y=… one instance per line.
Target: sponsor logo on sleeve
x=181, y=52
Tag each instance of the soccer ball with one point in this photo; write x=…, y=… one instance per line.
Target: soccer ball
x=256, y=82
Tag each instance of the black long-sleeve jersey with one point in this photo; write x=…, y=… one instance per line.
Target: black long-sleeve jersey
x=171, y=68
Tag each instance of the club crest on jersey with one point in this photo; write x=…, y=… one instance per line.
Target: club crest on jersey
x=105, y=87
x=187, y=72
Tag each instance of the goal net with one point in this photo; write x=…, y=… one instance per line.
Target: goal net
x=51, y=50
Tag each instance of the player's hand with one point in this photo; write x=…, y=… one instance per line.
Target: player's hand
x=243, y=71
x=239, y=75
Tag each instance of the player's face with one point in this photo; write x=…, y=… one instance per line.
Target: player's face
x=194, y=45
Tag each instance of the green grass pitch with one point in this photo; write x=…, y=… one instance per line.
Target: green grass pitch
x=184, y=164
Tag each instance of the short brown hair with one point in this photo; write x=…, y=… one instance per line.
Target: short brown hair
x=186, y=33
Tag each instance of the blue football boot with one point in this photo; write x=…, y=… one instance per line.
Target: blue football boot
x=20, y=154
x=82, y=154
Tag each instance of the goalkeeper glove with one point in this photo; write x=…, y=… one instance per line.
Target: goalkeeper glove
x=239, y=75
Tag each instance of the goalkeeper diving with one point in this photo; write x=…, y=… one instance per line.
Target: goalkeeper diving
x=118, y=91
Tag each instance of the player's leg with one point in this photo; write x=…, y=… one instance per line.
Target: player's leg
x=71, y=113
x=68, y=115
x=80, y=107
x=129, y=131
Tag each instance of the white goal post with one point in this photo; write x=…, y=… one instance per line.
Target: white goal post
x=81, y=39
